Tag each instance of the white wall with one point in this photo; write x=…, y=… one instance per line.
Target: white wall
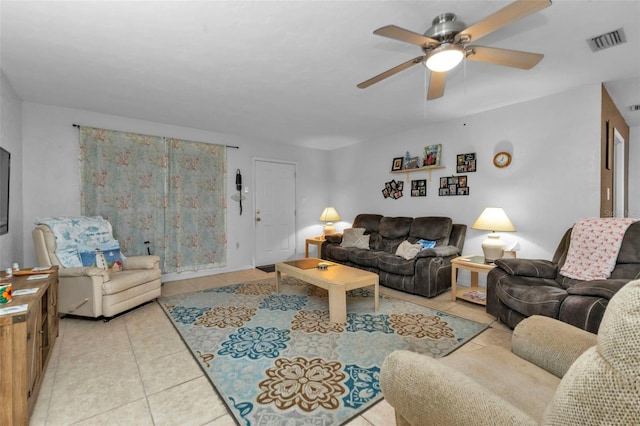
x=553, y=180
x=52, y=183
x=11, y=140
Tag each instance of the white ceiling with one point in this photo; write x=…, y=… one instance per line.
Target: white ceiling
x=287, y=70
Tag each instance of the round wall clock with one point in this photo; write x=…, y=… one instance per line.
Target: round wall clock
x=502, y=159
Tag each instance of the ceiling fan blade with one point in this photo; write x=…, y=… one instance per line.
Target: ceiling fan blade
x=508, y=14
x=506, y=57
x=390, y=72
x=436, y=85
x=397, y=33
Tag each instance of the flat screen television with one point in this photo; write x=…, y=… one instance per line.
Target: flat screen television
x=5, y=166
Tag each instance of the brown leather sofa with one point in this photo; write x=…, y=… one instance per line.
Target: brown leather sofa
x=519, y=288
x=428, y=274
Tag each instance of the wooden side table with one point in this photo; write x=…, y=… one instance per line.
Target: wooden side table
x=474, y=264
x=315, y=241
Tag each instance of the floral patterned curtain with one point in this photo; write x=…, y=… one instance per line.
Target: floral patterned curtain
x=196, y=208
x=160, y=193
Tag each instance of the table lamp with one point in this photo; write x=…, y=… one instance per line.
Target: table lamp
x=329, y=215
x=493, y=219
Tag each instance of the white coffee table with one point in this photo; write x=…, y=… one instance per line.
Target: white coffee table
x=336, y=279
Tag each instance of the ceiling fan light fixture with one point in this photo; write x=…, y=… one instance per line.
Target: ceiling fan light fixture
x=444, y=58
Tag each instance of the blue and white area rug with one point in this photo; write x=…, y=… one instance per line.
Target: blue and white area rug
x=276, y=359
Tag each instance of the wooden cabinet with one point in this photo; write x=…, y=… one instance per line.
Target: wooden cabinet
x=26, y=341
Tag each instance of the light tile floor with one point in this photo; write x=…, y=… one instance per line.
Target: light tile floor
x=135, y=369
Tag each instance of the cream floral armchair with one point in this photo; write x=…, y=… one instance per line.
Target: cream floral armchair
x=85, y=289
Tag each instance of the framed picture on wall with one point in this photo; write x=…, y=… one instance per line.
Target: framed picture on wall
x=453, y=185
x=466, y=163
x=393, y=189
x=432, y=155
x=397, y=164
x=419, y=188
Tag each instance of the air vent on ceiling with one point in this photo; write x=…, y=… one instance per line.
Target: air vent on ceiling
x=606, y=40
x=635, y=107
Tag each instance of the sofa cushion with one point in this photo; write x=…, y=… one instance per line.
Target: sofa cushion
x=584, y=312
x=393, y=231
x=363, y=257
x=393, y=264
x=354, y=237
x=432, y=228
x=630, y=248
x=110, y=250
x=620, y=332
x=627, y=271
x=337, y=253
x=531, y=296
x=601, y=387
x=598, y=288
x=371, y=224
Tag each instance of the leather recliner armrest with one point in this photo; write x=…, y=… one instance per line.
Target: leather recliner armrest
x=333, y=238
x=439, y=251
x=424, y=391
x=142, y=262
x=535, y=268
x=597, y=288
x=549, y=343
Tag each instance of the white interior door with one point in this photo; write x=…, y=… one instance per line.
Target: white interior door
x=275, y=214
x=619, y=191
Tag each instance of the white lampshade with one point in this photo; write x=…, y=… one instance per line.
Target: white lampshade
x=329, y=215
x=444, y=57
x=493, y=219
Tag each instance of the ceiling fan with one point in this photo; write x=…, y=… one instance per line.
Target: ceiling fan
x=446, y=43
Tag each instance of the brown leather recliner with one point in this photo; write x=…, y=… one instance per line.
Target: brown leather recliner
x=520, y=288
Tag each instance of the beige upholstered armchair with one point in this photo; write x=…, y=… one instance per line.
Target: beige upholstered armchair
x=556, y=374
x=93, y=291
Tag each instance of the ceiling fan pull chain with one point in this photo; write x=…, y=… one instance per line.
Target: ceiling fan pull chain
x=426, y=90
x=464, y=77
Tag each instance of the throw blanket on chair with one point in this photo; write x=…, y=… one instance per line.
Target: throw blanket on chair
x=594, y=247
x=72, y=232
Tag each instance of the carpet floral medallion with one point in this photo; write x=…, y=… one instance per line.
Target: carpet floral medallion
x=275, y=358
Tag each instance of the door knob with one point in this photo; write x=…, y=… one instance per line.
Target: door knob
x=258, y=219
x=257, y=211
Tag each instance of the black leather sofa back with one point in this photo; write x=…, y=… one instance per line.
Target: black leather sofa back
x=393, y=231
x=371, y=224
